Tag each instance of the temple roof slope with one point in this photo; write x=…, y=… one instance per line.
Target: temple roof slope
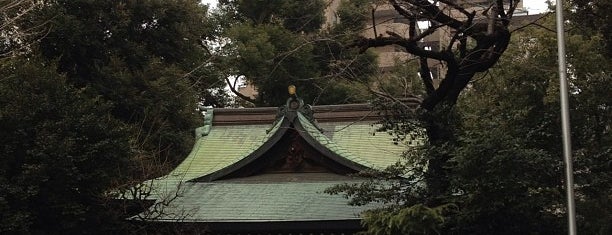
x=274, y=164
x=263, y=200
x=346, y=131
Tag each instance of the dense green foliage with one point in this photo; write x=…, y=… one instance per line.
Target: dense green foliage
x=295, y=16
x=112, y=88
x=592, y=17
x=105, y=100
x=416, y=219
x=60, y=150
x=518, y=106
x=273, y=44
x=505, y=170
x=140, y=56
x=516, y=162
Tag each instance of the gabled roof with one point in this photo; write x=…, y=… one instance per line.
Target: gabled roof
x=215, y=188
x=349, y=136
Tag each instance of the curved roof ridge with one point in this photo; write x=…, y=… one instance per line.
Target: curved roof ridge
x=182, y=171
x=346, y=157
x=272, y=137
x=309, y=132
x=230, y=148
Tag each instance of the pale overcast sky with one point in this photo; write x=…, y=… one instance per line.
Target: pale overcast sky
x=533, y=6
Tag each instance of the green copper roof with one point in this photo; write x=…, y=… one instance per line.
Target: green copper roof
x=363, y=140
x=359, y=142
x=223, y=146
x=355, y=143
x=331, y=145
x=204, y=195
x=248, y=201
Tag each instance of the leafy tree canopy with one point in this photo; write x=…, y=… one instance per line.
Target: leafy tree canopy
x=275, y=44
x=144, y=57
x=593, y=16
x=112, y=85
x=61, y=150
x=296, y=16
x=505, y=171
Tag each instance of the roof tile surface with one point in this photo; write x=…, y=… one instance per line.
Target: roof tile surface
x=272, y=197
x=248, y=202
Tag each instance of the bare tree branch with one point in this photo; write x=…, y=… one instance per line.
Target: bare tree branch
x=236, y=92
x=479, y=42
x=16, y=36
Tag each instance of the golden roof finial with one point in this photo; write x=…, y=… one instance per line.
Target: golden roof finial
x=291, y=89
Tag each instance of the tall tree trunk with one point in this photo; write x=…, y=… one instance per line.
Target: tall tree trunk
x=440, y=125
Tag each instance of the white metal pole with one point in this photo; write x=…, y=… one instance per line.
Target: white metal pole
x=565, y=122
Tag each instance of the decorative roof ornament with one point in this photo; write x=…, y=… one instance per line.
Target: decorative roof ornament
x=208, y=118
x=293, y=105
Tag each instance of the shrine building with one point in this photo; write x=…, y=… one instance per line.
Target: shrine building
x=265, y=170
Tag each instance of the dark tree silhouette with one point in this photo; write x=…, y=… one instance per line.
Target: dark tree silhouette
x=476, y=41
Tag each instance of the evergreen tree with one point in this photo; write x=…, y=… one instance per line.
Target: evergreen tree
x=592, y=17
x=506, y=170
x=509, y=153
x=107, y=95
x=60, y=152
x=144, y=57
x=273, y=44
